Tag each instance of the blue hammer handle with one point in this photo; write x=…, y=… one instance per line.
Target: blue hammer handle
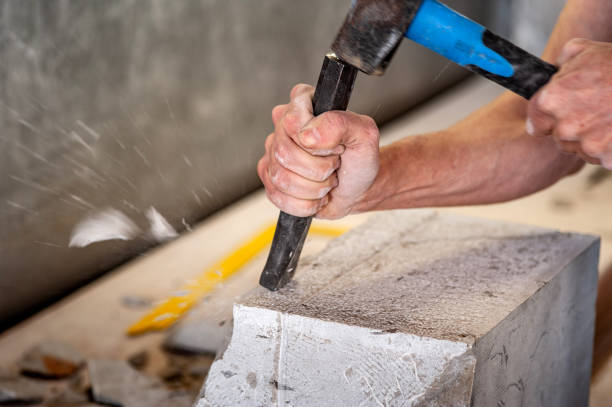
x=471, y=45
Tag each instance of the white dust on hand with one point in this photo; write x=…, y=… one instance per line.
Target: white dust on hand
x=108, y=224
x=160, y=229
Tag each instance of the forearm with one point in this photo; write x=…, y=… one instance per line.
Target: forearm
x=485, y=158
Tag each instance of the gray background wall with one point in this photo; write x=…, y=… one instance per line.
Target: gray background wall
x=137, y=103
x=526, y=22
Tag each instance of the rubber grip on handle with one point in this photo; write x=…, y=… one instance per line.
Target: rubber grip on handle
x=530, y=72
x=333, y=92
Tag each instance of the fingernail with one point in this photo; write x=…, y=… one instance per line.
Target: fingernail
x=308, y=137
x=529, y=127
x=339, y=149
x=324, y=191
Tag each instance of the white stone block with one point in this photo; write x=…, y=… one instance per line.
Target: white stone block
x=417, y=308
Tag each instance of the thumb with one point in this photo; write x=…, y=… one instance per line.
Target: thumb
x=333, y=132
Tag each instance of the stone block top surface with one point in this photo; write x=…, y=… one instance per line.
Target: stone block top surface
x=425, y=273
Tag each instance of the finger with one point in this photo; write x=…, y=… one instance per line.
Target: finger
x=301, y=96
x=299, y=187
x=268, y=143
x=262, y=169
x=329, y=211
x=539, y=122
x=567, y=130
x=571, y=49
x=596, y=144
x=293, y=158
x=331, y=132
x=278, y=112
x=291, y=205
x=299, y=110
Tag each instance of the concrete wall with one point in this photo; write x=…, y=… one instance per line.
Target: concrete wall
x=526, y=22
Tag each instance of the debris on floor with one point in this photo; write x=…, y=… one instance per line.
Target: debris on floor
x=68, y=397
x=51, y=359
x=136, y=302
x=54, y=374
x=199, y=336
x=139, y=360
x=116, y=383
x=20, y=390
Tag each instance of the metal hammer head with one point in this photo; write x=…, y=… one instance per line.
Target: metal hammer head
x=372, y=31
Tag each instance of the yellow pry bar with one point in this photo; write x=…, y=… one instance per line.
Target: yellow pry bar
x=173, y=308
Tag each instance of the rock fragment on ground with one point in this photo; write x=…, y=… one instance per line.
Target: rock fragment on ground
x=20, y=390
x=139, y=360
x=203, y=336
x=67, y=397
x=199, y=369
x=136, y=302
x=51, y=359
x=116, y=383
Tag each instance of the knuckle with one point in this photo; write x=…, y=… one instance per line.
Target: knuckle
x=330, y=167
x=322, y=192
x=282, y=154
x=298, y=89
x=335, y=120
x=261, y=168
x=321, y=174
x=268, y=142
x=277, y=112
x=331, y=183
x=276, y=198
x=309, y=207
x=297, y=207
x=294, y=90
x=291, y=123
x=330, y=128
x=570, y=45
x=278, y=178
x=323, y=171
x=370, y=128
x=575, y=43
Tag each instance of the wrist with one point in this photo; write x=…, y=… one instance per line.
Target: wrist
x=381, y=189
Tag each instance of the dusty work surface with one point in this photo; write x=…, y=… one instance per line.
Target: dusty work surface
x=484, y=268
x=410, y=309
x=106, y=308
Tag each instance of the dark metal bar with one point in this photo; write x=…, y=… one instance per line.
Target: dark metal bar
x=333, y=92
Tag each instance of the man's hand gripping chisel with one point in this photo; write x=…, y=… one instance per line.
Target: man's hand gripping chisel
x=366, y=41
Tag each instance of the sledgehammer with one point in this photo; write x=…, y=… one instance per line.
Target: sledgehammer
x=367, y=41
